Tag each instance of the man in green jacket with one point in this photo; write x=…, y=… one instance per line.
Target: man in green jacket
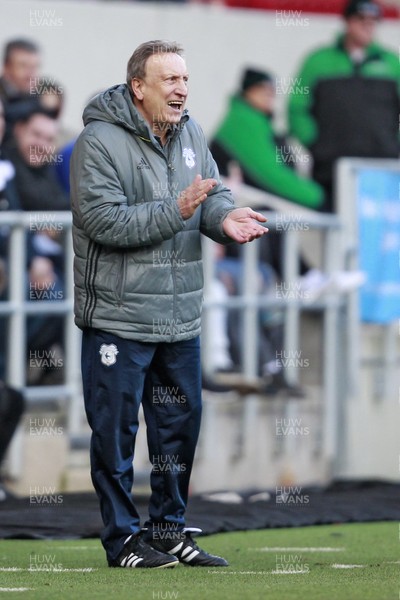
x=347, y=97
x=246, y=137
x=144, y=186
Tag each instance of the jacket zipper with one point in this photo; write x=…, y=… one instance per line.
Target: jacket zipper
x=121, y=280
x=171, y=168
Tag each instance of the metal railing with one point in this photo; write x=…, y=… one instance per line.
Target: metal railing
x=250, y=302
x=371, y=369
x=17, y=308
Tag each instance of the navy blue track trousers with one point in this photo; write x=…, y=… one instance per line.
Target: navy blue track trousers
x=118, y=375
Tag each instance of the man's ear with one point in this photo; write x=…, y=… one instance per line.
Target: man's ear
x=136, y=87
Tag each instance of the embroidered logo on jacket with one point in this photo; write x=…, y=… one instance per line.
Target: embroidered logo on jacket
x=108, y=353
x=142, y=164
x=189, y=155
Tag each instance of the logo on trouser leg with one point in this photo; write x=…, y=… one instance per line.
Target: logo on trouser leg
x=108, y=353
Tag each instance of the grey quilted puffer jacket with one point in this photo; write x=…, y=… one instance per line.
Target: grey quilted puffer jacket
x=138, y=268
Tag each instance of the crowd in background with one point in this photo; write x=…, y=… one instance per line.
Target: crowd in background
x=31, y=139
x=351, y=109
x=31, y=106
x=352, y=87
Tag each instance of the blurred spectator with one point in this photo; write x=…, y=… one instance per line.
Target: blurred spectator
x=22, y=88
x=21, y=64
x=11, y=400
x=219, y=343
x=347, y=101
x=11, y=410
x=44, y=333
x=8, y=193
x=246, y=137
x=7, y=198
x=63, y=166
x=3, y=320
x=246, y=143
x=46, y=96
x=229, y=270
x=48, y=242
x=32, y=152
x=50, y=99
x=50, y=96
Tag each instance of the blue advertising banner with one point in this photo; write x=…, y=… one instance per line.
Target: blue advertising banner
x=378, y=197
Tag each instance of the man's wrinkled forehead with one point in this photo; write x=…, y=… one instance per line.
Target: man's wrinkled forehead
x=164, y=63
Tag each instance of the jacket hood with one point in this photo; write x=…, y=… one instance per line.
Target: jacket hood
x=115, y=105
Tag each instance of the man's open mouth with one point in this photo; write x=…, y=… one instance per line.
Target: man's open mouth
x=176, y=104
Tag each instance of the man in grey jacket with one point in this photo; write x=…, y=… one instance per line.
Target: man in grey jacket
x=144, y=187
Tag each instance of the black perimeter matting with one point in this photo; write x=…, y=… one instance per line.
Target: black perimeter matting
x=76, y=515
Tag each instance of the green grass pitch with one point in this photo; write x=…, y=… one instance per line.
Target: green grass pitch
x=328, y=562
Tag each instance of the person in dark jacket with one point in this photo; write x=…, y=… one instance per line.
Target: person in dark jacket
x=144, y=186
x=8, y=193
x=346, y=99
x=32, y=152
x=21, y=65
x=11, y=400
x=12, y=404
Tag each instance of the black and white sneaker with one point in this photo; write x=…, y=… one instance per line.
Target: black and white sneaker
x=137, y=554
x=185, y=548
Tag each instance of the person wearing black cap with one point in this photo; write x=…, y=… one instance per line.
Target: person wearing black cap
x=246, y=137
x=347, y=99
x=366, y=8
